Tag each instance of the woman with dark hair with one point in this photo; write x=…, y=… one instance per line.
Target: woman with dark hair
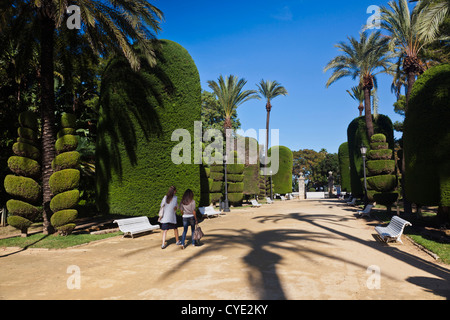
x=169, y=219
x=187, y=208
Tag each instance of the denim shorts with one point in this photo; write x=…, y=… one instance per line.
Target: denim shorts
x=168, y=226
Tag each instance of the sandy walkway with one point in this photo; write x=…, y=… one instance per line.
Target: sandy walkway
x=289, y=250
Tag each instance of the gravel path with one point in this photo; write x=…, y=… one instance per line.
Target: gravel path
x=314, y=249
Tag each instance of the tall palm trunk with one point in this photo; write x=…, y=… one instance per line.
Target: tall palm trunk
x=407, y=206
x=412, y=67
x=410, y=78
x=226, y=126
x=48, y=114
x=368, y=112
x=268, y=109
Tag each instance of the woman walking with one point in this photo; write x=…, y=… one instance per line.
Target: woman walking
x=187, y=208
x=169, y=219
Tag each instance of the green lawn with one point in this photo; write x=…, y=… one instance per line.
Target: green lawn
x=53, y=241
x=441, y=249
x=425, y=218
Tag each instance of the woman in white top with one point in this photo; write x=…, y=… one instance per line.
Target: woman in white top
x=169, y=219
x=187, y=208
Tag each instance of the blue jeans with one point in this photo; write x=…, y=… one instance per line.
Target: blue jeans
x=186, y=223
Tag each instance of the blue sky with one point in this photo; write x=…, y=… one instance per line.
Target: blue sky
x=287, y=41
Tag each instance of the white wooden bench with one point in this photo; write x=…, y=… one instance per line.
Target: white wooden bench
x=394, y=229
x=269, y=201
x=135, y=225
x=366, y=211
x=255, y=203
x=283, y=198
x=208, y=211
x=351, y=203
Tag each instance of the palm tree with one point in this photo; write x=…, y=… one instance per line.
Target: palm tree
x=362, y=59
x=270, y=90
x=410, y=31
x=230, y=94
x=357, y=93
x=111, y=26
x=435, y=13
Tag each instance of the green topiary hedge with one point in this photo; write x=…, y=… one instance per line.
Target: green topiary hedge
x=344, y=167
x=356, y=136
x=139, y=111
x=235, y=174
x=251, y=170
x=381, y=182
x=22, y=186
x=282, y=180
x=426, y=140
x=66, y=178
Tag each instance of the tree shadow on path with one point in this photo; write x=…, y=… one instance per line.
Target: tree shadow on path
x=437, y=286
x=267, y=247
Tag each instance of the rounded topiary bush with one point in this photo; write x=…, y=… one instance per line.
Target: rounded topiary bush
x=66, y=143
x=376, y=167
x=380, y=154
x=378, y=137
x=27, y=133
x=26, y=150
x=66, y=178
x=66, y=160
x=138, y=112
x=22, y=186
x=282, y=179
x=65, y=131
x=63, y=217
x=382, y=182
x=22, y=208
x=20, y=223
x=24, y=166
x=68, y=121
x=65, y=200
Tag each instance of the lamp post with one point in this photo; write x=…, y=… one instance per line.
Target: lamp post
x=363, y=150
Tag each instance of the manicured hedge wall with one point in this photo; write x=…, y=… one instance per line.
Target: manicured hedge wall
x=357, y=135
x=344, y=167
x=251, y=170
x=427, y=138
x=282, y=180
x=235, y=176
x=138, y=113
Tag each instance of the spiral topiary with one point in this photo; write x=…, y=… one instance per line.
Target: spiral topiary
x=23, y=185
x=66, y=177
x=381, y=181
